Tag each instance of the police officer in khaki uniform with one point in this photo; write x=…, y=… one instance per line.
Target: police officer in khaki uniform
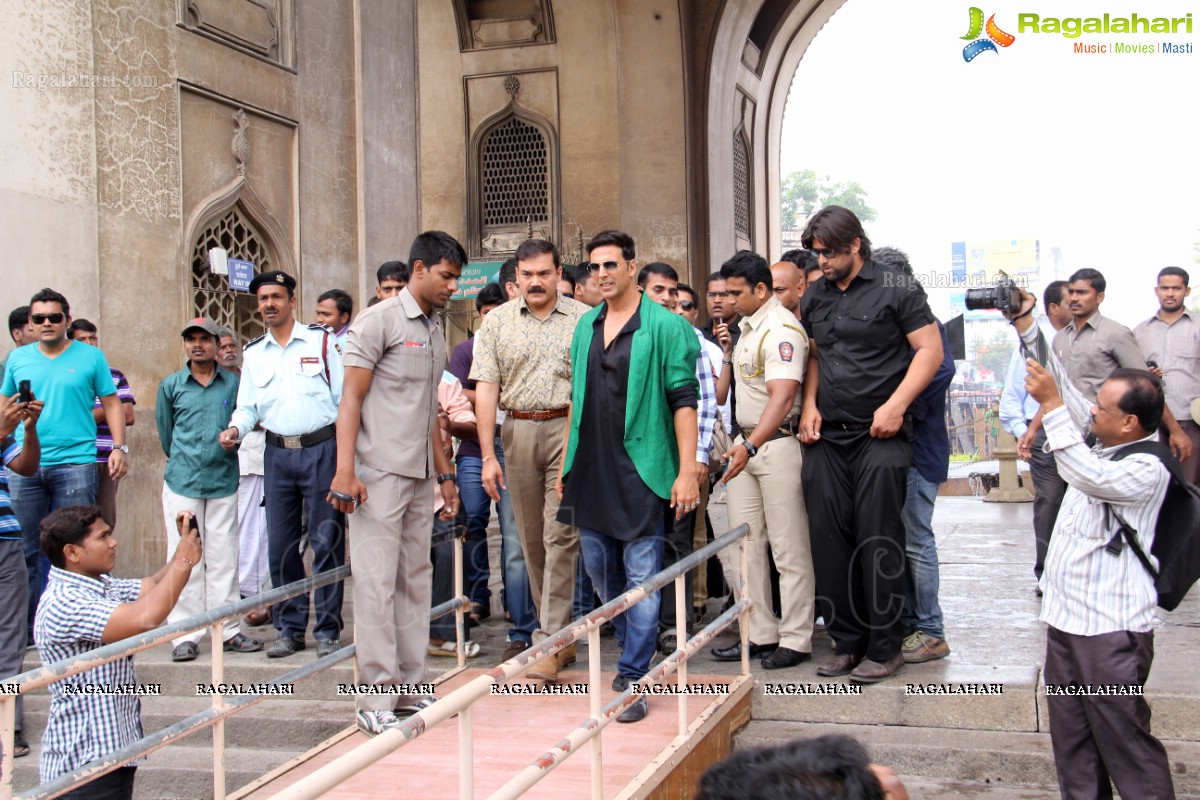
x=395, y=355
x=765, y=461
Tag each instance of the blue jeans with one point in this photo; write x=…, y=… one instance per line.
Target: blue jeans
x=584, y=601
x=475, y=549
x=921, y=609
x=615, y=567
x=518, y=598
x=33, y=498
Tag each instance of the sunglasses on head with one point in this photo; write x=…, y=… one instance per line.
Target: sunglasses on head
x=686, y=305
x=54, y=319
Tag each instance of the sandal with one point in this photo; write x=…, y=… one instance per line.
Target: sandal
x=20, y=746
x=450, y=648
x=668, y=642
x=185, y=652
x=240, y=643
x=258, y=617
x=480, y=611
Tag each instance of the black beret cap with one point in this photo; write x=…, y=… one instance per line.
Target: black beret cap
x=275, y=277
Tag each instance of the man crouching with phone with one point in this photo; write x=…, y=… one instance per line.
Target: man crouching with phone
x=82, y=609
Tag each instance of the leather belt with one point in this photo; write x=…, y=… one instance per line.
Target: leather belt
x=790, y=427
x=539, y=415
x=304, y=440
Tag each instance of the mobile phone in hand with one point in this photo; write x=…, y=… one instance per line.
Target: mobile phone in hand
x=194, y=525
x=25, y=392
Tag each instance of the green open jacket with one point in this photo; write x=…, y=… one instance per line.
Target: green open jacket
x=662, y=357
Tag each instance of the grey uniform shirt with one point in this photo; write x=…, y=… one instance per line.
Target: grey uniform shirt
x=1090, y=352
x=407, y=352
x=1176, y=350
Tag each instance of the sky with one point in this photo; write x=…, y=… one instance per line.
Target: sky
x=1095, y=154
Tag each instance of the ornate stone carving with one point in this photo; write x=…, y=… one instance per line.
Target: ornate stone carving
x=240, y=145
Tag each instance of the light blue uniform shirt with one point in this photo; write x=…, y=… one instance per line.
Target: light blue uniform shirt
x=292, y=389
x=1016, y=406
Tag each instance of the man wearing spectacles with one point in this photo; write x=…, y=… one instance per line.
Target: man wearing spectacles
x=631, y=445
x=67, y=376
x=861, y=379
x=522, y=363
x=764, y=462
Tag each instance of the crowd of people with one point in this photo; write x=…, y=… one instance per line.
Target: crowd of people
x=600, y=418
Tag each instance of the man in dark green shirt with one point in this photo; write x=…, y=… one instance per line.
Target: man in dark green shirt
x=194, y=406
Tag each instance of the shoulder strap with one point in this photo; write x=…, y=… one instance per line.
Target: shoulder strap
x=1155, y=449
x=325, y=356
x=1124, y=531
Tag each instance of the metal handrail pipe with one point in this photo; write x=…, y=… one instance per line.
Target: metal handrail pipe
x=180, y=730
x=49, y=673
x=337, y=771
x=590, y=728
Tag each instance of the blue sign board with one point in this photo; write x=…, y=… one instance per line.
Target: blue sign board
x=240, y=274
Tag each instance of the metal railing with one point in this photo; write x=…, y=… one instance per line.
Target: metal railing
x=460, y=701
x=222, y=706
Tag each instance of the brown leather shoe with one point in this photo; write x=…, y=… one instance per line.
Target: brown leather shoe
x=545, y=670
x=874, y=671
x=841, y=664
x=567, y=656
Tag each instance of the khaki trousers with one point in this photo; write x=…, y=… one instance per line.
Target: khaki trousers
x=767, y=497
x=393, y=582
x=533, y=453
x=699, y=540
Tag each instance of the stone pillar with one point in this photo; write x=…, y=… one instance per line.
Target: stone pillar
x=1010, y=489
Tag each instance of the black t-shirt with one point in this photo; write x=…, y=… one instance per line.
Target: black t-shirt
x=860, y=334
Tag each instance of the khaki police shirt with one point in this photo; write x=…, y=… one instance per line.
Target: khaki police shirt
x=407, y=352
x=772, y=347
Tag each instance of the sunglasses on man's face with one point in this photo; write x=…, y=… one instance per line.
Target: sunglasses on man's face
x=609, y=266
x=687, y=305
x=54, y=319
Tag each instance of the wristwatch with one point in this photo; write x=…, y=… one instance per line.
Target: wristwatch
x=751, y=450
x=124, y=448
x=447, y=476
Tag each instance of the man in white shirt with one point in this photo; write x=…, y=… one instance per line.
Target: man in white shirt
x=1098, y=604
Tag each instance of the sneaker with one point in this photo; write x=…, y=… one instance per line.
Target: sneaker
x=376, y=722
x=920, y=647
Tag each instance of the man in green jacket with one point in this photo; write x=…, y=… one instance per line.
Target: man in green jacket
x=632, y=425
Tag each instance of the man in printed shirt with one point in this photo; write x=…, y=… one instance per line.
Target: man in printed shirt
x=1099, y=606
x=82, y=609
x=82, y=330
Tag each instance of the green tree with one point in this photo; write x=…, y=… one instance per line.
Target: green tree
x=995, y=354
x=803, y=192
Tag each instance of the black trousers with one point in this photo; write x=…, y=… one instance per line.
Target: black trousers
x=1050, y=490
x=1096, y=739
x=116, y=785
x=678, y=546
x=854, y=490
x=292, y=479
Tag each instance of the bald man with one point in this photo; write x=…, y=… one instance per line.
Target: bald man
x=789, y=285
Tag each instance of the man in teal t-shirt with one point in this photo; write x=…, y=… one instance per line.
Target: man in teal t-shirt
x=67, y=376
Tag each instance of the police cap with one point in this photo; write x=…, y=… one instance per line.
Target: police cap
x=273, y=277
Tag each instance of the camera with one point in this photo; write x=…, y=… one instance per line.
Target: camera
x=1005, y=296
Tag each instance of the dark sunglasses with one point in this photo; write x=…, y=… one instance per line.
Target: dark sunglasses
x=609, y=266
x=54, y=319
x=828, y=252
x=686, y=305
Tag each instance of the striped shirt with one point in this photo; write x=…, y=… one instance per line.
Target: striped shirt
x=707, y=413
x=82, y=727
x=104, y=440
x=10, y=528
x=1087, y=590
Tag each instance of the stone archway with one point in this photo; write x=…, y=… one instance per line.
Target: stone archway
x=754, y=50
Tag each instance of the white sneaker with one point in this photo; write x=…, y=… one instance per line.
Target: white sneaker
x=376, y=722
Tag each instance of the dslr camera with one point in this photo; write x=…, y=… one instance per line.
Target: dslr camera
x=1005, y=296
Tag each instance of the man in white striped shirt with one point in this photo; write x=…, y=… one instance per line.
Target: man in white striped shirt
x=1099, y=606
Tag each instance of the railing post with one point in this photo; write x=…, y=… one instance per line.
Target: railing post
x=218, y=701
x=459, y=623
x=8, y=732
x=681, y=635
x=466, y=755
x=744, y=616
x=595, y=710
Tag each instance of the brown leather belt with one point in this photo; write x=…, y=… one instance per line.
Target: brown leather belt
x=790, y=427
x=304, y=440
x=540, y=415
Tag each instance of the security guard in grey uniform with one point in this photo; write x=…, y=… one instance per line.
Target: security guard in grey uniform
x=764, y=464
x=291, y=386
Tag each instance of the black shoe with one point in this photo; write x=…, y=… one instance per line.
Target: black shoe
x=636, y=712
x=186, y=651
x=326, y=647
x=285, y=646
x=620, y=683
x=785, y=657
x=734, y=651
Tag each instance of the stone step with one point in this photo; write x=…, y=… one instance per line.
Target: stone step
x=293, y=725
x=993, y=759
x=177, y=772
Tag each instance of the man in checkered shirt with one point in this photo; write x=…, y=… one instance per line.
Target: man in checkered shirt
x=83, y=608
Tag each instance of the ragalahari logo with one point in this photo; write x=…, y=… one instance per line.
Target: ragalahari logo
x=995, y=36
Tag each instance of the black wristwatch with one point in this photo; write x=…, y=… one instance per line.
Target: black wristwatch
x=751, y=450
x=447, y=476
